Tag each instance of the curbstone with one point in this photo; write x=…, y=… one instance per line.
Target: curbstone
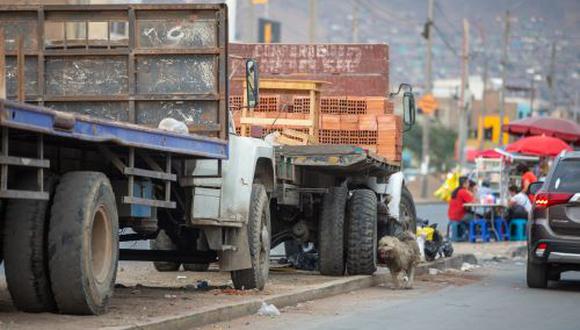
x=336, y=287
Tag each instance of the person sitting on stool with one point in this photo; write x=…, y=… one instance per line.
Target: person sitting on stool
x=457, y=212
x=519, y=204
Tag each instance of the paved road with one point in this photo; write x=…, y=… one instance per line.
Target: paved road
x=435, y=213
x=499, y=301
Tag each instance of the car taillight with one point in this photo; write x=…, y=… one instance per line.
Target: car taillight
x=547, y=199
x=541, y=249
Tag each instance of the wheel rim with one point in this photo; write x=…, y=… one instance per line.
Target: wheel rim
x=405, y=216
x=101, y=247
x=264, y=245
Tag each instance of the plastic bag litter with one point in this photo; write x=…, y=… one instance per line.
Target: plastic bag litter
x=433, y=271
x=173, y=125
x=467, y=267
x=268, y=310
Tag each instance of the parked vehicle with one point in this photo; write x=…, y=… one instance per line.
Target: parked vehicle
x=342, y=198
x=71, y=179
x=554, y=226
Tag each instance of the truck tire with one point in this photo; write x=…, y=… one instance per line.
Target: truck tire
x=331, y=232
x=26, y=262
x=259, y=233
x=196, y=267
x=83, y=243
x=537, y=275
x=408, y=214
x=361, y=237
x=163, y=242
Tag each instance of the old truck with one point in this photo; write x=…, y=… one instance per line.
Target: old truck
x=344, y=189
x=82, y=160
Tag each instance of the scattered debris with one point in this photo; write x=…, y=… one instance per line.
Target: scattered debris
x=202, y=284
x=467, y=267
x=181, y=277
x=268, y=310
x=170, y=296
x=433, y=271
x=234, y=292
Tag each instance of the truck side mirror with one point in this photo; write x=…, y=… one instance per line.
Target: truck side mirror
x=252, y=83
x=408, y=110
x=533, y=188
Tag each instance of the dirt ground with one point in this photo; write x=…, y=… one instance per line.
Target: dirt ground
x=143, y=294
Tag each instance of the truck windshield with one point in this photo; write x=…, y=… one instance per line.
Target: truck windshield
x=565, y=178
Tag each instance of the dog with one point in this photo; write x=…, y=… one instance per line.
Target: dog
x=400, y=254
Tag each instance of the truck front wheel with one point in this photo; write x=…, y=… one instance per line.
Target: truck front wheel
x=331, y=232
x=361, y=254
x=259, y=241
x=83, y=243
x=408, y=215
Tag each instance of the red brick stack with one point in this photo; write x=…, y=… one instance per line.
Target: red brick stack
x=368, y=122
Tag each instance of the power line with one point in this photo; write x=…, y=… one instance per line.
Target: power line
x=378, y=11
x=446, y=42
x=446, y=18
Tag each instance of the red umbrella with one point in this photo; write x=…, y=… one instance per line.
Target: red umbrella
x=561, y=128
x=539, y=145
x=489, y=153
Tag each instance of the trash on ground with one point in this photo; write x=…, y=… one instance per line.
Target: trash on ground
x=467, y=267
x=433, y=271
x=268, y=310
x=202, y=284
x=170, y=296
x=181, y=277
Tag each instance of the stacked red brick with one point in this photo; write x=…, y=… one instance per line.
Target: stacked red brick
x=368, y=122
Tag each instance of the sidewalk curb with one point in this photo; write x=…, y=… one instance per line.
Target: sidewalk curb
x=428, y=201
x=339, y=286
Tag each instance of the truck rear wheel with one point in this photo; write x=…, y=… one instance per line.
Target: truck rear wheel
x=83, y=243
x=408, y=214
x=26, y=263
x=361, y=254
x=331, y=232
x=259, y=240
x=163, y=242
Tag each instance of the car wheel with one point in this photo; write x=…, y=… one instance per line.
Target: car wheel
x=537, y=275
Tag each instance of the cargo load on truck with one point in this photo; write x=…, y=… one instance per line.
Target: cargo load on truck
x=349, y=94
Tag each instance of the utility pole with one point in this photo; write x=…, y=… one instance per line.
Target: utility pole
x=464, y=104
x=576, y=109
x=355, y=21
x=504, y=63
x=312, y=23
x=483, y=114
x=532, y=93
x=428, y=90
x=552, y=78
x=253, y=27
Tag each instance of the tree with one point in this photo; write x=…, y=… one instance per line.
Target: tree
x=441, y=144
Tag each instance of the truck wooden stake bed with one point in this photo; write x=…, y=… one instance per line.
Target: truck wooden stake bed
x=81, y=158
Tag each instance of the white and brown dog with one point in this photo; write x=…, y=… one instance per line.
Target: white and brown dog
x=400, y=255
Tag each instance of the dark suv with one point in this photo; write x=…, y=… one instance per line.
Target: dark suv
x=554, y=231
